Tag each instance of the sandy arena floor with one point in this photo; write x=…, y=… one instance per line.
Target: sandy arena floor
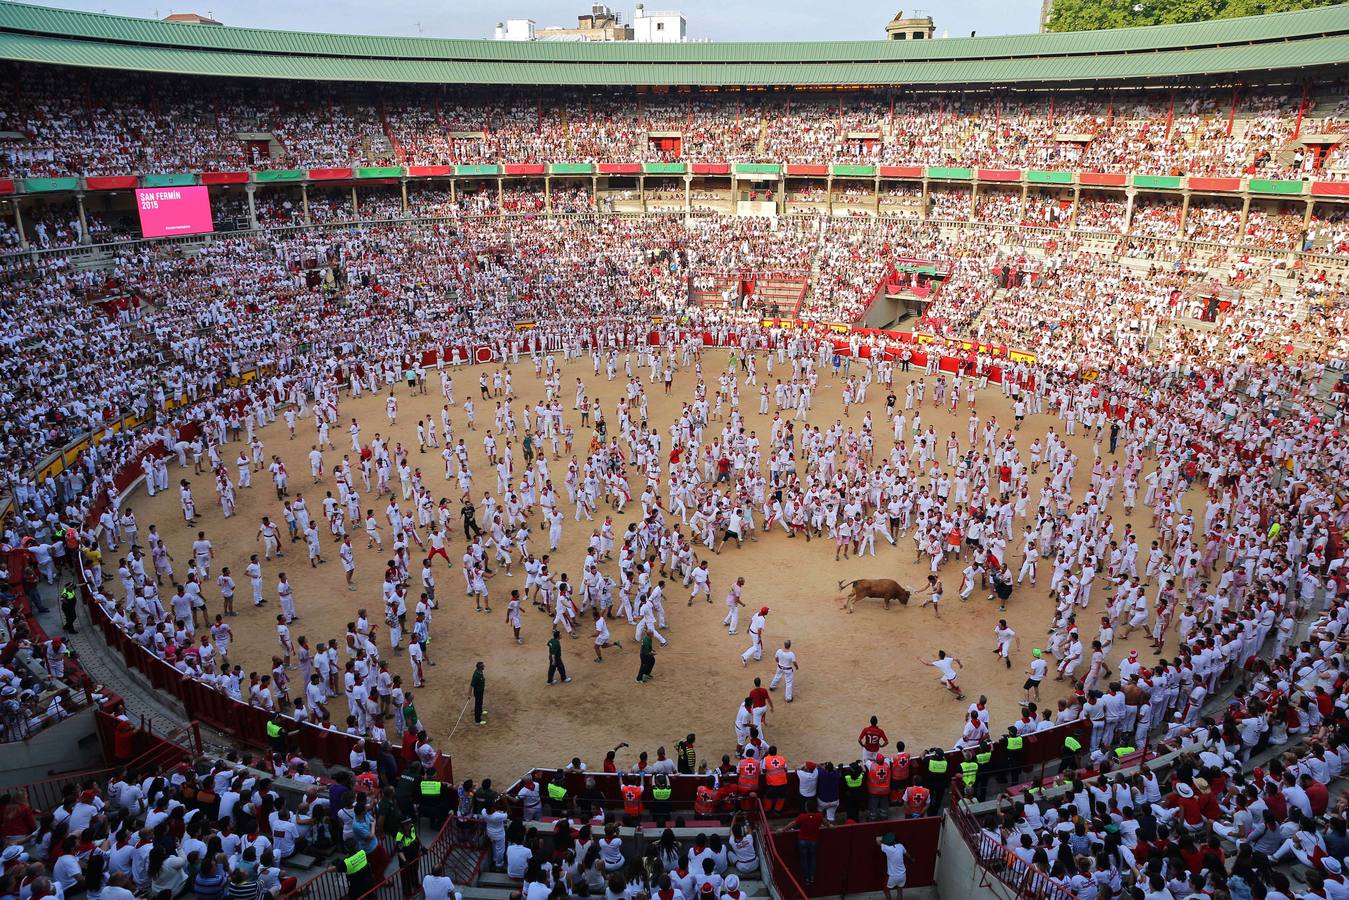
x=852, y=666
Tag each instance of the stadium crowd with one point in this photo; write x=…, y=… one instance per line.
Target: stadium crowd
x=327, y=313
x=128, y=124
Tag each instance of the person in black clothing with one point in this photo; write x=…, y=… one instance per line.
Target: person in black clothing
x=648, y=659
x=470, y=516
x=686, y=757
x=937, y=782
x=68, y=596
x=409, y=853
x=1002, y=589
x=354, y=863
x=854, y=792
x=555, y=663
x=478, y=684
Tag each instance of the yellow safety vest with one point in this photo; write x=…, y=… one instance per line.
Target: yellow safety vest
x=1015, y=741
x=556, y=791
x=355, y=862
x=1124, y=751
x=853, y=782
x=936, y=766
x=983, y=759
x=661, y=793
x=430, y=788
x=406, y=839
x=1072, y=743
x=968, y=771
x=273, y=730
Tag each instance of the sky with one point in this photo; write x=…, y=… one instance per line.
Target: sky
x=717, y=20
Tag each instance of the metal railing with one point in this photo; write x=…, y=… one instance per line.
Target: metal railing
x=782, y=880
x=460, y=848
x=998, y=863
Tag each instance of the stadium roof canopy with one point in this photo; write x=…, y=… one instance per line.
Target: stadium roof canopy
x=1284, y=42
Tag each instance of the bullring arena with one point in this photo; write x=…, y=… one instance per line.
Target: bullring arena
x=1007, y=387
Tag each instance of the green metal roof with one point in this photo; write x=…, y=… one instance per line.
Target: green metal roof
x=1309, y=38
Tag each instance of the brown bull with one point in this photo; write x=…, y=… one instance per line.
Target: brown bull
x=886, y=589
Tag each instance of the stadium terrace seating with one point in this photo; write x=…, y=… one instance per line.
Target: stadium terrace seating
x=77, y=123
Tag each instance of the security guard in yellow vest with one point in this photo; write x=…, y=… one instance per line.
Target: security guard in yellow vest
x=969, y=772
x=409, y=851
x=68, y=596
x=557, y=793
x=276, y=733
x=661, y=792
x=432, y=800
x=356, y=866
x=854, y=792
x=1014, y=745
x=939, y=777
x=1071, y=747
x=983, y=757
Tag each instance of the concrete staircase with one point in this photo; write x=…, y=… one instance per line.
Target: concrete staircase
x=92, y=259
x=788, y=292
x=499, y=886
x=493, y=885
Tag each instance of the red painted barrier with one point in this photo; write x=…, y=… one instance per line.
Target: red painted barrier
x=331, y=174
x=901, y=171
x=1213, y=184
x=1102, y=179
x=224, y=178
x=430, y=171
x=849, y=862
x=111, y=183
x=1331, y=188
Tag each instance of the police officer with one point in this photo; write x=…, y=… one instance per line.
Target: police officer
x=969, y=772
x=407, y=789
x=938, y=776
x=276, y=733
x=661, y=792
x=356, y=866
x=557, y=793
x=409, y=852
x=1014, y=744
x=983, y=757
x=434, y=802
x=68, y=596
x=854, y=792
x=1071, y=748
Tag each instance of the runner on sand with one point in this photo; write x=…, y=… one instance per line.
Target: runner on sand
x=947, y=666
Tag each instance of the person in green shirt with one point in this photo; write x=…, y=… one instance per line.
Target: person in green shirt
x=555, y=663
x=478, y=685
x=410, y=720
x=648, y=657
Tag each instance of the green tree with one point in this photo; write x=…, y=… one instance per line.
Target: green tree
x=1094, y=15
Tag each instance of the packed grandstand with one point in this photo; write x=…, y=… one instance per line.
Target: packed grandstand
x=1138, y=240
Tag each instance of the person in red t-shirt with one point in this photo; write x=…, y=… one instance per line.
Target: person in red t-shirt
x=761, y=703
x=871, y=740
x=1191, y=807
x=808, y=825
